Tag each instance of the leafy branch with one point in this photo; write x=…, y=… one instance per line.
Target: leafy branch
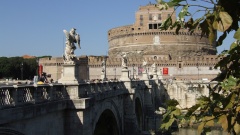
x=223, y=103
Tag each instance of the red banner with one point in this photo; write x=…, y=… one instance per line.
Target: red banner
x=165, y=71
x=140, y=70
x=40, y=70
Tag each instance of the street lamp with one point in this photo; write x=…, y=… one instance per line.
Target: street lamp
x=133, y=70
x=198, y=71
x=115, y=73
x=22, y=71
x=105, y=72
x=37, y=60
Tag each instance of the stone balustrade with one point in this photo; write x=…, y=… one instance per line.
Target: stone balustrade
x=17, y=95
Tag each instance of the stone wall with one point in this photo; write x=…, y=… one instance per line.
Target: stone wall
x=53, y=66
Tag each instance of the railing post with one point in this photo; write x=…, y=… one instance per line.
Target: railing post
x=15, y=95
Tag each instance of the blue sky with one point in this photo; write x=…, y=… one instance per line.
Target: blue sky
x=35, y=27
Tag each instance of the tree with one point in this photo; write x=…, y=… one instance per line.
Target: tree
x=4, y=66
x=223, y=103
x=13, y=66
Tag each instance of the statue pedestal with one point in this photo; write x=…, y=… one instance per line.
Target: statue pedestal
x=144, y=75
x=125, y=75
x=155, y=76
x=69, y=74
x=103, y=76
x=160, y=77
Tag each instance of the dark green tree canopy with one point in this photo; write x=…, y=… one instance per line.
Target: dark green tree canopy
x=13, y=67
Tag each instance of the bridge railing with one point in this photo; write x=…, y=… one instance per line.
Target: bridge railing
x=90, y=89
x=17, y=95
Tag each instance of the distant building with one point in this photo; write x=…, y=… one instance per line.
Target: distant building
x=28, y=57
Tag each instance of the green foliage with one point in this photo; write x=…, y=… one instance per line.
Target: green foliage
x=223, y=104
x=171, y=115
x=13, y=66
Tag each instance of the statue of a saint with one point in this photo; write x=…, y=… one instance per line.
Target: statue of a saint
x=154, y=68
x=144, y=65
x=124, y=60
x=71, y=38
x=103, y=66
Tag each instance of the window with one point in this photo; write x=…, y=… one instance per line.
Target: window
x=141, y=23
x=150, y=26
x=168, y=15
x=179, y=65
x=155, y=26
x=150, y=16
x=141, y=17
x=159, y=17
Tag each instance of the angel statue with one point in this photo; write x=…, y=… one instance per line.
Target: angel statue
x=71, y=38
x=103, y=66
x=144, y=65
x=124, y=60
x=154, y=68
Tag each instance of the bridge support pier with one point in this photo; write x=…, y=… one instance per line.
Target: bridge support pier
x=130, y=119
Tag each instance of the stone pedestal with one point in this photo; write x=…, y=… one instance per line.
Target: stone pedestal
x=160, y=77
x=103, y=76
x=69, y=74
x=144, y=75
x=155, y=76
x=125, y=75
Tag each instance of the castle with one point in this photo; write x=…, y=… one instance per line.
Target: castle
x=182, y=56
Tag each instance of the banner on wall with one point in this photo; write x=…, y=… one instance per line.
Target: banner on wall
x=165, y=71
x=40, y=70
x=140, y=70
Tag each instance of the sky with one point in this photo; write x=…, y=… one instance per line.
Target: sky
x=35, y=27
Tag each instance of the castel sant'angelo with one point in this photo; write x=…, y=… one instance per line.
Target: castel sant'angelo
x=182, y=56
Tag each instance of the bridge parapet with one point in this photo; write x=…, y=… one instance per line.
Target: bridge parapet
x=18, y=95
x=101, y=89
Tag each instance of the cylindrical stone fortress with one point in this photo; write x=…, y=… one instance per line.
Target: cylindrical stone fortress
x=145, y=36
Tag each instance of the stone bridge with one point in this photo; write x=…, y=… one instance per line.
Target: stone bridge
x=104, y=108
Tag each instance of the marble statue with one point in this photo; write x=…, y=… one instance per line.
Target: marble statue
x=103, y=66
x=71, y=38
x=144, y=65
x=124, y=60
x=154, y=68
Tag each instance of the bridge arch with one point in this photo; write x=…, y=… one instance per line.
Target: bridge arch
x=139, y=113
x=107, y=120
x=138, y=105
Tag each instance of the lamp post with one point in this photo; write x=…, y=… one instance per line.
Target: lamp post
x=115, y=73
x=105, y=72
x=22, y=71
x=37, y=60
x=133, y=70
x=198, y=71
